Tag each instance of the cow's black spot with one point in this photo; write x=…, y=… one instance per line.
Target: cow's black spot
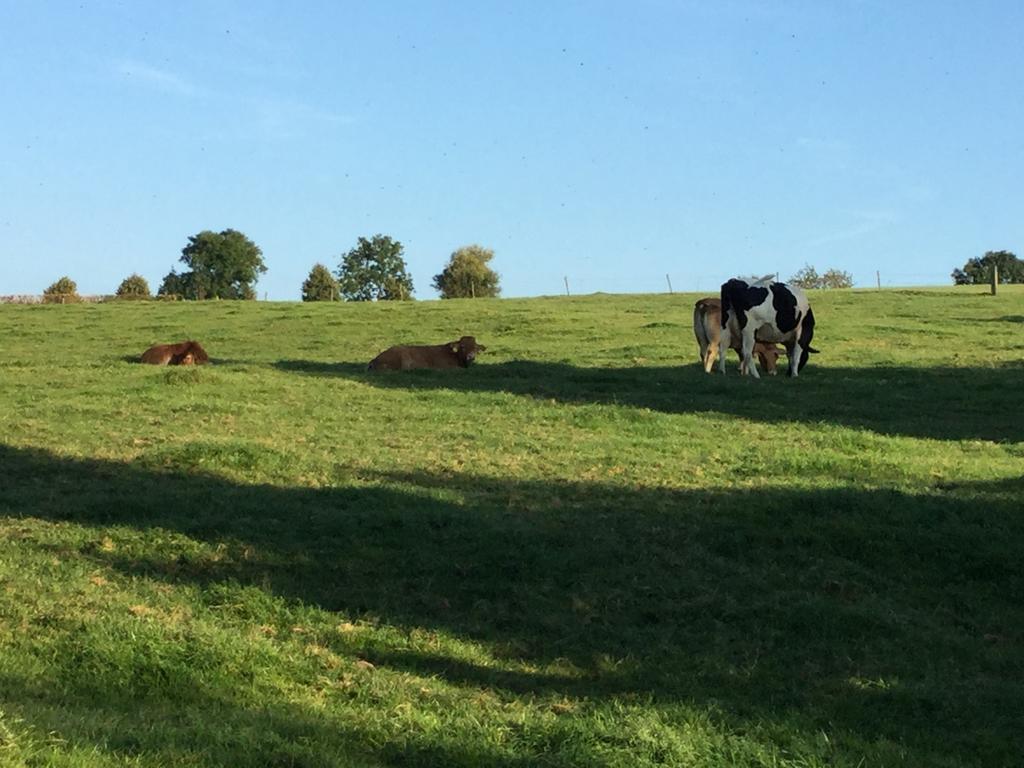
x=739, y=297
x=784, y=303
x=755, y=296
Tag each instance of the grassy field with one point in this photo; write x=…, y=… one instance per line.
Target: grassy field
x=582, y=551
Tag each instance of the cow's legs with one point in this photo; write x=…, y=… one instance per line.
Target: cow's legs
x=724, y=340
x=794, y=360
x=709, y=358
x=748, y=352
x=707, y=350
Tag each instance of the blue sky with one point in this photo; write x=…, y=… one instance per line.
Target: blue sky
x=609, y=142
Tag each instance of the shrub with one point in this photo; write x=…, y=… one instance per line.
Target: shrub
x=808, y=277
x=133, y=287
x=64, y=291
x=320, y=285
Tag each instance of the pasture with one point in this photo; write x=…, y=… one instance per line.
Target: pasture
x=581, y=551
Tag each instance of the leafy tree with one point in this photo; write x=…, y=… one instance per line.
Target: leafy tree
x=467, y=275
x=64, y=291
x=320, y=285
x=222, y=265
x=979, y=270
x=806, y=277
x=176, y=285
x=836, y=278
x=133, y=287
x=374, y=271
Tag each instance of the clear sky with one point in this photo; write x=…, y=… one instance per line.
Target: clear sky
x=610, y=142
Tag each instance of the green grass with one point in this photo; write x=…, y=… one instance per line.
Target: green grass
x=582, y=551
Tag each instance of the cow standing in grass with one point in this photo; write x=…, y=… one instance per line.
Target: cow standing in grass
x=707, y=327
x=764, y=310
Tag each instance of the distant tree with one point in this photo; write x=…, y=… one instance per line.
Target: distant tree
x=979, y=270
x=961, y=278
x=176, y=285
x=374, y=270
x=467, y=275
x=133, y=287
x=222, y=265
x=806, y=277
x=320, y=285
x=64, y=291
x=835, y=278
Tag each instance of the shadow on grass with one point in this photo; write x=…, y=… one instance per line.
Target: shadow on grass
x=941, y=403
x=206, y=727
x=324, y=369
x=1003, y=319
x=875, y=616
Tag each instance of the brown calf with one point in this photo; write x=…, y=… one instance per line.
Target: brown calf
x=707, y=327
x=185, y=353
x=454, y=354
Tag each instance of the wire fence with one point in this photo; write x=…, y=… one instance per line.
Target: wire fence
x=685, y=282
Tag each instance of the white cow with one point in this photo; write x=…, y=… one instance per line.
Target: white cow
x=707, y=327
x=764, y=310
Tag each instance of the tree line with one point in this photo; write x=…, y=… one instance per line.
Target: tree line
x=979, y=271
x=227, y=265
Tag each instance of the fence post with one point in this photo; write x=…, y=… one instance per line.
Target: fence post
x=669, y=281
x=995, y=278
x=472, y=289
x=878, y=279
x=566, y=278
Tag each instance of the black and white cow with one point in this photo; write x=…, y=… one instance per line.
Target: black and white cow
x=766, y=311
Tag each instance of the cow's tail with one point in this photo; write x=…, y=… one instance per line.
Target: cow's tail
x=699, y=329
x=806, y=335
x=807, y=329
x=725, y=295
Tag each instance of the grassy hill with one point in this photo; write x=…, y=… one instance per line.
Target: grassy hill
x=580, y=551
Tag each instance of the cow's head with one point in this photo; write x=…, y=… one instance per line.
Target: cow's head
x=767, y=356
x=197, y=353
x=466, y=349
x=186, y=359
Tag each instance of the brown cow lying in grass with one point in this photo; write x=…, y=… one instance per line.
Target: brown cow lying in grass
x=454, y=354
x=185, y=353
x=707, y=327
